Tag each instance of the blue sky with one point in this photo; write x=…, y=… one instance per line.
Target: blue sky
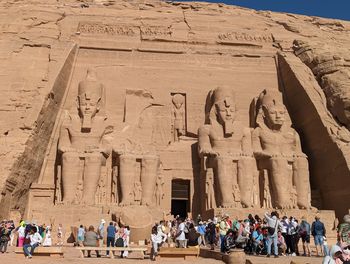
x=339, y=9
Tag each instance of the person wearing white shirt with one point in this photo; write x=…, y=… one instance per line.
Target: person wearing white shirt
x=157, y=238
x=35, y=240
x=47, y=240
x=21, y=234
x=272, y=224
x=126, y=238
x=181, y=237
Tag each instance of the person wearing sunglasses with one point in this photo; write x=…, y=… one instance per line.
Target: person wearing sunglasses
x=338, y=255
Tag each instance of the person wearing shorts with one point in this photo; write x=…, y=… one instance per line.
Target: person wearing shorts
x=304, y=233
x=318, y=231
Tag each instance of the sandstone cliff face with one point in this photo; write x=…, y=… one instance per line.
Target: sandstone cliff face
x=38, y=46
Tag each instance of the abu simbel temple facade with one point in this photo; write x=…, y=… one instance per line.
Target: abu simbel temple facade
x=138, y=110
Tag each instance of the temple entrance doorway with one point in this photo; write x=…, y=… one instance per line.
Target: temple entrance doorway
x=180, y=197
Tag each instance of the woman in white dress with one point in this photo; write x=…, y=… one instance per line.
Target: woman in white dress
x=47, y=239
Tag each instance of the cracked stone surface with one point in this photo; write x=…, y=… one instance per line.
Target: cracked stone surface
x=36, y=38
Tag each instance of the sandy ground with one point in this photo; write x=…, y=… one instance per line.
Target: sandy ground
x=72, y=256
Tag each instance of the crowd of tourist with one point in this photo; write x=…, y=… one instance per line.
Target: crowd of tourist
x=270, y=235
x=114, y=235
x=267, y=235
x=28, y=236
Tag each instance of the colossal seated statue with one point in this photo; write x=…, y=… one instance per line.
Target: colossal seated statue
x=137, y=158
x=226, y=146
x=83, y=144
x=277, y=149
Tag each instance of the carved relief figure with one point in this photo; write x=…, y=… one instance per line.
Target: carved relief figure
x=294, y=197
x=79, y=192
x=58, y=189
x=82, y=142
x=332, y=70
x=276, y=148
x=226, y=145
x=137, y=192
x=114, y=185
x=159, y=194
x=178, y=116
x=101, y=191
x=267, y=195
x=210, y=193
x=256, y=191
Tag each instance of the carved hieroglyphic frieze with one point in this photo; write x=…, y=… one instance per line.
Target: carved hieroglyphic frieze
x=107, y=29
x=245, y=36
x=156, y=32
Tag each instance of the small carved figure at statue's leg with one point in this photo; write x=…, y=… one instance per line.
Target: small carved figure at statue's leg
x=149, y=170
x=92, y=172
x=70, y=176
x=176, y=135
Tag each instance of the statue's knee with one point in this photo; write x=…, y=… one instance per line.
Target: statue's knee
x=127, y=159
x=70, y=156
x=93, y=157
x=150, y=161
x=222, y=160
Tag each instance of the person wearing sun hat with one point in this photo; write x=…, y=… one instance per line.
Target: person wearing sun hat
x=101, y=232
x=336, y=256
x=346, y=252
x=21, y=233
x=223, y=228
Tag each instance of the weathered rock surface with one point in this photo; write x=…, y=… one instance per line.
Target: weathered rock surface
x=45, y=45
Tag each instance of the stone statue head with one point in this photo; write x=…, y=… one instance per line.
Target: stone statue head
x=224, y=108
x=178, y=100
x=273, y=112
x=90, y=92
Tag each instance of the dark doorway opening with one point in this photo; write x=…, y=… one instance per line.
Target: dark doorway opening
x=180, y=197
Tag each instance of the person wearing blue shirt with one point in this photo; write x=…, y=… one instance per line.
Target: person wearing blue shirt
x=257, y=238
x=111, y=230
x=201, y=231
x=318, y=231
x=81, y=235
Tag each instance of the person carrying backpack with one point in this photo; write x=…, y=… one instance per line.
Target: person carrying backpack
x=318, y=231
x=273, y=224
x=211, y=233
x=4, y=238
x=304, y=233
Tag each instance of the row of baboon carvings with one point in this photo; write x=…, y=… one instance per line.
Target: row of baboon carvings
x=260, y=166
